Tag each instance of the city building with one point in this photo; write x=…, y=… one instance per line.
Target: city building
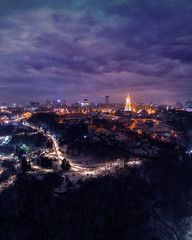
x=85, y=102
x=63, y=103
x=59, y=105
x=106, y=100
x=56, y=103
x=3, y=105
x=92, y=105
x=48, y=103
x=178, y=105
x=76, y=105
x=188, y=105
x=34, y=105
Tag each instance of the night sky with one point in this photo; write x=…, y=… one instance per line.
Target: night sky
x=72, y=50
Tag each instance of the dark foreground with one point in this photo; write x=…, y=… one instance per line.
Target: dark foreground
x=113, y=207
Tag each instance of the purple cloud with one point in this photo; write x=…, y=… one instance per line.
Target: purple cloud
x=70, y=51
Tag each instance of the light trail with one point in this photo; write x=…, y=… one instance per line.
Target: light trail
x=74, y=166
x=78, y=169
x=7, y=183
x=81, y=170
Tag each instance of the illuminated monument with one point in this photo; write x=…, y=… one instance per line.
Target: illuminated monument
x=128, y=104
x=127, y=111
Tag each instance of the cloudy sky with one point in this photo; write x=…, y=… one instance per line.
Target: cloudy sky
x=76, y=49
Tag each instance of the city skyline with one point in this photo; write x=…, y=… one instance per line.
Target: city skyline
x=91, y=100
x=89, y=49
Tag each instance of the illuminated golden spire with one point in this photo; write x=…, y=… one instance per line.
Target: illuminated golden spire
x=128, y=103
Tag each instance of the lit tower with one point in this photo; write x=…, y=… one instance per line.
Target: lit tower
x=128, y=104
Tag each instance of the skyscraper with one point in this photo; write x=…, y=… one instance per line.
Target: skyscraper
x=48, y=103
x=188, y=104
x=63, y=103
x=34, y=105
x=107, y=100
x=85, y=102
x=3, y=105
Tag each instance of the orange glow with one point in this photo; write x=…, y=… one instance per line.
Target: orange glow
x=139, y=131
x=26, y=115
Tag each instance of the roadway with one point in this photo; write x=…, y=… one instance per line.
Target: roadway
x=77, y=168
x=76, y=172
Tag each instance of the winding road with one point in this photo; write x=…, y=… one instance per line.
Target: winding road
x=76, y=172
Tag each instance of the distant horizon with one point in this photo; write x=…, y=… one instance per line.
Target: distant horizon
x=90, y=101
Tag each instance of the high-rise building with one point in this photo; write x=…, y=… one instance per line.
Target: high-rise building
x=188, y=104
x=63, y=103
x=48, y=103
x=106, y=100
x=85, y=102
x=76, y=105
x=34, y=105
x=92, y=105
x=59, y=103
x=3, y=105
x=178, y=105
x=128, y=104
